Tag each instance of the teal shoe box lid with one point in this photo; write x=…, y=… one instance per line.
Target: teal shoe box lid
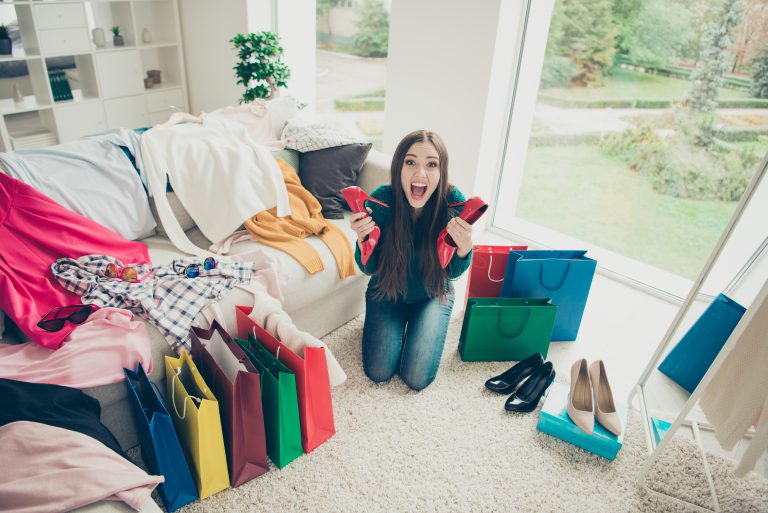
x=554, y=421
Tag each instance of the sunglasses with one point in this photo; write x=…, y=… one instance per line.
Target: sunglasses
x=124, y=273
x=58, y=317
x=193, y=270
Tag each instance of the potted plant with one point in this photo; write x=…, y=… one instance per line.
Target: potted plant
x=260, y=69
x=117, y=38
x=6, y=45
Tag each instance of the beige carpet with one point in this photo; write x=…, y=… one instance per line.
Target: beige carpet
x=452, y=447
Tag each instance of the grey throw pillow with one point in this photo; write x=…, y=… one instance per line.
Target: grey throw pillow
x=325, y=172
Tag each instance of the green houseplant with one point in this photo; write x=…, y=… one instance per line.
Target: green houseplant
x=260, y=68
x=117, y=38
x=6, y=45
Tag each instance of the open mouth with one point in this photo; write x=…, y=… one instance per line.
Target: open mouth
x=418, y=191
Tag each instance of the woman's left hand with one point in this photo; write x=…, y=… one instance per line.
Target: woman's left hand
x=461, y=233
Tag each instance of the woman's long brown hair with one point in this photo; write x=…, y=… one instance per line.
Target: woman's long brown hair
x=396, y=245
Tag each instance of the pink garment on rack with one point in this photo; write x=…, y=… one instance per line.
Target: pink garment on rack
x=35, y=231
x=57, y=470
x=92, y=355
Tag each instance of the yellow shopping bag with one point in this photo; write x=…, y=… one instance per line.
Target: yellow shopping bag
x=195, y=414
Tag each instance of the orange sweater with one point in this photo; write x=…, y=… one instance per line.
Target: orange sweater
x=287, y=233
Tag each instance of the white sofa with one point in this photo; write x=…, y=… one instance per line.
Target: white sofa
x=306, y=296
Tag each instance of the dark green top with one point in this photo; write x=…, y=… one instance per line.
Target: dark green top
x=415, y=280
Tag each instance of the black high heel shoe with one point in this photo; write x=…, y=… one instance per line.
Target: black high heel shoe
x=508, y=381
x=527, y=397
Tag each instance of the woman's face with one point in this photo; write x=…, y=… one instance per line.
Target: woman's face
x=420, y=174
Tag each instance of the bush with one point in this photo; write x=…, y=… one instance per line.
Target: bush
x=745, y=134
x=687, y=171
x=742, y=103
x=357, y=104
x=653, y=103
x=639, y=146
x=557, y=72
x=760, y=75
x=372, y=39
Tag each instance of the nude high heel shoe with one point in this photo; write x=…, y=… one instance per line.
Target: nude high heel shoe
x=580, y=400
x=605, y=410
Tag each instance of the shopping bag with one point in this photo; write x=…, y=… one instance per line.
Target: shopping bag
x=160, y=447
x=506, y=329
x=278, y=398
x=313, y=388
x=486, y=273
x=564, y=276
x=195, y=413
x=690, y=359
x=236, y=384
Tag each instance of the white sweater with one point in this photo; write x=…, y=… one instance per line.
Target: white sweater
x=220, y=175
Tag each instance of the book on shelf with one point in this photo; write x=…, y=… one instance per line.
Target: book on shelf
x=60, y=86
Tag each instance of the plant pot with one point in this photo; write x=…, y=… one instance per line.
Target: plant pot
x=6, y=46
x=118, y=40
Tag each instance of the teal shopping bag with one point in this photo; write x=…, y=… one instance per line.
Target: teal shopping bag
x=690, y=359
x=564, y=276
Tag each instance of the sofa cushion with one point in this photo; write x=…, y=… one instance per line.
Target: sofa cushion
x=326, y=172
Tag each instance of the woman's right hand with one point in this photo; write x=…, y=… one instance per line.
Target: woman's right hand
x=362, y=223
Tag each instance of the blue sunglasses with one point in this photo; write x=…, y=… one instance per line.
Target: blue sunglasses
x=193, y=270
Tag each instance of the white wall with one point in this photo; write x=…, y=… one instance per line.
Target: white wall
x=296, y=24
x=210, y=58
x=441, y=76
x=208, y=55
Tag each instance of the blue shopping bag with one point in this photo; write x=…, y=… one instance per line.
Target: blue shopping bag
x=690, y=359
x=564, y=276
x=160, y=447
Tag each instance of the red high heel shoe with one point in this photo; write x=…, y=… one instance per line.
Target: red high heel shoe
x=473, y=209
x=356, y=198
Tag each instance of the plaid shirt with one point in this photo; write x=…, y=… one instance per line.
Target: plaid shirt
x=163, y=297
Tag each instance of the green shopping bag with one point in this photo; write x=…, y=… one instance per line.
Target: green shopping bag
x=279, y=402
x=506, y=329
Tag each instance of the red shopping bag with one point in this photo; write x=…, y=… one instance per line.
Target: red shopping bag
x=237, y=385
x=486, y=274
x=313, y=387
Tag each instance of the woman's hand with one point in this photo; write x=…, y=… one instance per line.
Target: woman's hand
x=362, y=223
x=461, y=233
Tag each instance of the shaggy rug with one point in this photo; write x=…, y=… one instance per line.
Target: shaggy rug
x=452, y=447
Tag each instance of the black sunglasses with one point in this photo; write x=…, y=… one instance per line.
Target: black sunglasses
x=76, y=314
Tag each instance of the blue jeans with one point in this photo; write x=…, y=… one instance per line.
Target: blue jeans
x=404, y=338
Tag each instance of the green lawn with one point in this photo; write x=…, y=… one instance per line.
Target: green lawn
x=583, y=193
x=633, y=84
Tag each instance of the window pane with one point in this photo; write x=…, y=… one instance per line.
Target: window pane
x=352, y=40
x=650, y=119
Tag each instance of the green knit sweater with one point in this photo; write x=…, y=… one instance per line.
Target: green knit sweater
x=415, y=281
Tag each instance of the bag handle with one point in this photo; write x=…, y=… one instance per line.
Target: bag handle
x=183, y=414
x=562, y=279
x=490, y=266
x=518, y=331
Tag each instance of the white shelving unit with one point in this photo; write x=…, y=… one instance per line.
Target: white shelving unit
x=107, y=82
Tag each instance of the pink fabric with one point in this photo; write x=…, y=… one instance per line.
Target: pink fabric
x=35, y=231
x=92, y=355
x=56, y=470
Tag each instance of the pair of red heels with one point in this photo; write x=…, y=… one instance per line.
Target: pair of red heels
x=473, y=209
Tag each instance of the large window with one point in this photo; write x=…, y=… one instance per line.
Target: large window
x=352, y=41
x=635, y=128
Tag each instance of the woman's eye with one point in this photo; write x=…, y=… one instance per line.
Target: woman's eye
x=409, y=162
x=432, y=164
